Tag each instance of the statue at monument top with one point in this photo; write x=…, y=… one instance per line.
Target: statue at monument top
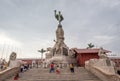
x=59, y=16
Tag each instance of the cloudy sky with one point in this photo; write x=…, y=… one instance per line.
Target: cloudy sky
x=29, y=25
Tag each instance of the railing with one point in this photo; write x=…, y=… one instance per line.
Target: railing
x=7, y=73
x=104, y=76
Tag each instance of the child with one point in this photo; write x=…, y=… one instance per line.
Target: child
x=16, y=76
x=57, y=70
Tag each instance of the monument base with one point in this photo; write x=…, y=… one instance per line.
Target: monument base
x=61, y=60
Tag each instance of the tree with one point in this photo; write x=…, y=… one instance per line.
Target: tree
x=90, y=45
x=42, y=51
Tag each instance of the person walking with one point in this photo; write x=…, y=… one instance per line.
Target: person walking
x=21, y=68
x=52, y=67
x=71, y=68
x=57, y=69
x=16, y=76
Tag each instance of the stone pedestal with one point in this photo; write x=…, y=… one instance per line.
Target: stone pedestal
x=59, y=52
x=104, y=65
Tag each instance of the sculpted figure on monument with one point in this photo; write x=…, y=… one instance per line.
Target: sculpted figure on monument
x=12, y=61
x=71, y=53
x=50, y=51
x=13, y=56
x=101, y=54
x=58, y=16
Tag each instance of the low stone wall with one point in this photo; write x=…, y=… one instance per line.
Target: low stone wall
x=8, y=73
x=103, y=73
x=104, y=76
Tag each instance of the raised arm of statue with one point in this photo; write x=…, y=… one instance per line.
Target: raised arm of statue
x=59, y=16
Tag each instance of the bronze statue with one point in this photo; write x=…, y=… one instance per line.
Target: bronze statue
x=59, y=16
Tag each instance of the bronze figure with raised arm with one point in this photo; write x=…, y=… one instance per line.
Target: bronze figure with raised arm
x=58, y=16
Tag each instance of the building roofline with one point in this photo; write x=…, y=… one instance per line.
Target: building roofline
x=93, y=50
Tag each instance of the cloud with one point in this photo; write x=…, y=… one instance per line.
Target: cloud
x=4, y=39
x=31, y=24
x=101, y=40
x=8, y=45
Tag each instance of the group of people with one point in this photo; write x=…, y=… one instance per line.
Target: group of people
x=24, y=67
x=56, y=68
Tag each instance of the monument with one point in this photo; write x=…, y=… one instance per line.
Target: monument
x=59, y=53
x=60, y=47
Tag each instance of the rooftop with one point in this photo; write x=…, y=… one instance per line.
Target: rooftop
x=88, y=50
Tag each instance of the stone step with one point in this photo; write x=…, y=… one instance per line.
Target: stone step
x=44, y=80
x=54, y=80
x=92, y=80
x=41, y=74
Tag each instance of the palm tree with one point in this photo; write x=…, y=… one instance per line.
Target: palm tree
x=42, y=51
x=90, y=45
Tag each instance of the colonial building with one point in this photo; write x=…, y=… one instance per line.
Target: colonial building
x=83, y=55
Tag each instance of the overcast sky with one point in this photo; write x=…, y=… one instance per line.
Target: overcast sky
x=29, y=25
